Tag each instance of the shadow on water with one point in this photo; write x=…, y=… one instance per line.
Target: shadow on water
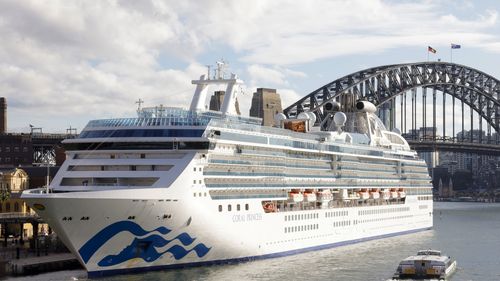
x=469, y=232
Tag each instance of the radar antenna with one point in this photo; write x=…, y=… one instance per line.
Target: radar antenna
x=221, y=66
x=139, y=102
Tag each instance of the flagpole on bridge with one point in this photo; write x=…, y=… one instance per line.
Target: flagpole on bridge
x=453, y=46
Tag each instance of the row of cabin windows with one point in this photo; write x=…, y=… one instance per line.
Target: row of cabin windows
x=384, y=219
x=200, y=194
x=424, y=198
x=383, y=211
x=199, y=169
x=199, y=181
x=336, y=214
x=113, y=156
x=341, y=223
x=297, y=228
x=301, y=217
x=230, y=207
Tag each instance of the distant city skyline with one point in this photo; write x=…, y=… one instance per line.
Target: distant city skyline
x=65, y=62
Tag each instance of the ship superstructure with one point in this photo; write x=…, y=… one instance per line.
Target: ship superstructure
x=177, y=187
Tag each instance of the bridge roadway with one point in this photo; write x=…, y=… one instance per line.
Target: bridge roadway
x=464, y=147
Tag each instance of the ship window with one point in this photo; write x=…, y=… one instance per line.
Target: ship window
x=112, y=156
x=220, y=208
x=199, y=194
x=229, y=208
x=194, y=181
x=204, y=194
x=238, y=207
x=199, y=181
x=194, y=194
x=246, y=207
x=143, y=155
x=194, y=169
x=133, y=168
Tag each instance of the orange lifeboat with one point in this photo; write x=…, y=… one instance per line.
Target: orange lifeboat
x=374, y=194
x=309, y=196
x=268, y=207
x=401, y=193
x=394, y=193
x=364, y=194
x=295, y=197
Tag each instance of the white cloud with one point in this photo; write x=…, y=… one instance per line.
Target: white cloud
x=61, y=60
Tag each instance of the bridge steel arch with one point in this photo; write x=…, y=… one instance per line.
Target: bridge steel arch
x=379, y=85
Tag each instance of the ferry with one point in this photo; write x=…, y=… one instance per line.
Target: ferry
x=426, y=264
x=178, y=187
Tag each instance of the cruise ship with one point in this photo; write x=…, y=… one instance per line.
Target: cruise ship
x=179, y=187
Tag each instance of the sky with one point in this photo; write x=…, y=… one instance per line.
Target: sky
x=63, y=63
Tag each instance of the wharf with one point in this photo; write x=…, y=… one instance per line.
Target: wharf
x=36, y=265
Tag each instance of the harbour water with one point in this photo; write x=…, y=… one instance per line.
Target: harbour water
x=469, y=232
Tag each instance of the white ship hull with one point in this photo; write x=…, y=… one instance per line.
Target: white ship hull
x=190, y=231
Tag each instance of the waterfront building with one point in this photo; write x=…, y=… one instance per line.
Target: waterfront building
x=12, y=183
x=15, y=150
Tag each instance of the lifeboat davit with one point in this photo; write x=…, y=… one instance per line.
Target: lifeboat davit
x=386, y=194
x=324, y=195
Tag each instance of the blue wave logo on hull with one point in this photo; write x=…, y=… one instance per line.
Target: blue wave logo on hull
x=144, y=248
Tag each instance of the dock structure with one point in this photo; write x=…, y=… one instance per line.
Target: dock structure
x=36, y=265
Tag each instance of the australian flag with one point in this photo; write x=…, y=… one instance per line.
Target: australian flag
x=455, y=46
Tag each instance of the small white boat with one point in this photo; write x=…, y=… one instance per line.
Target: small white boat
x=426, y=264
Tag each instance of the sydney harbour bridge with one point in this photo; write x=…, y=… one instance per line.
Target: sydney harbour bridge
x=437, y=106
